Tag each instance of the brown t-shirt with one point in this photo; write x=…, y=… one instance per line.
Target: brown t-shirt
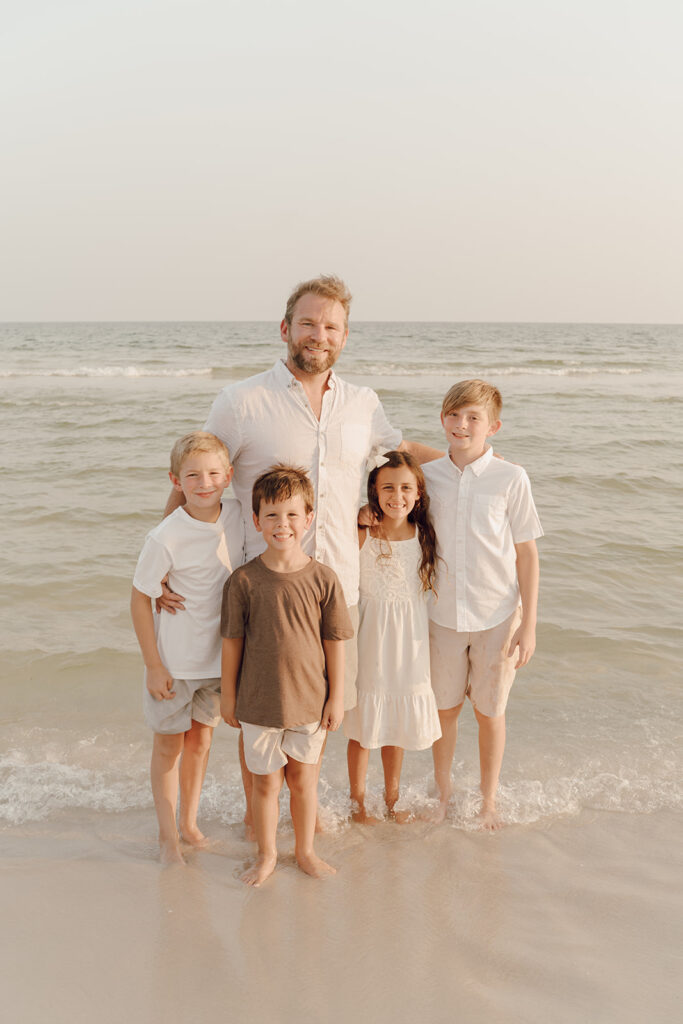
x=283, y=617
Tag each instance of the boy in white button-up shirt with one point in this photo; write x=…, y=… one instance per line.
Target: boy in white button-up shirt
x=483, y=620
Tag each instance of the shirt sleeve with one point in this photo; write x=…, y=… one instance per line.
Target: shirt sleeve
x=524, y=521
x=234, y=608
x=336, y=624
x=153, y=565
x=384, y=437
x=224, y=421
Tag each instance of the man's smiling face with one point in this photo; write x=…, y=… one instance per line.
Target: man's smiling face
x=316, y=335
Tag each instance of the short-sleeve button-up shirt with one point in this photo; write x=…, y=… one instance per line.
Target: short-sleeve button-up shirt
x=268, y=419
x=479, y=515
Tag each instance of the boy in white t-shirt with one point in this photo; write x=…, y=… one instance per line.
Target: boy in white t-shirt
x=196, y=547
x=483, y=620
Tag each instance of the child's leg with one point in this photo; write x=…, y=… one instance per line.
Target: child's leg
x=247, y=784
x=491, y=749
x=192, y=771
x=443, y=751
x=265, y=807
x=166, y=752
x=302, y=780
x=357, y=758
x=392, y=761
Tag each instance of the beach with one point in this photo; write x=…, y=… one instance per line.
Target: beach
x=572, y=912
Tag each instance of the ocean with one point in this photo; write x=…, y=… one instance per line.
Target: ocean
x=88, y=414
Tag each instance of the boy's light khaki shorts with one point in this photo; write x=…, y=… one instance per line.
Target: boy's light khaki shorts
x=474, y=665
x=267, y=750
x=198, y=699
x=351, y=661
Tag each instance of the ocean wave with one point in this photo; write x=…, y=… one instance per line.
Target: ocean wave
x=410, y=370
x=39, y=790
x=110, y=371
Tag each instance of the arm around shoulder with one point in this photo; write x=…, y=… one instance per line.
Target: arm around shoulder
x=421, y=452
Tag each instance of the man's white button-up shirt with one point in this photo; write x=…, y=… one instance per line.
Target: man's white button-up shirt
x=479, y=515
x=267, y=419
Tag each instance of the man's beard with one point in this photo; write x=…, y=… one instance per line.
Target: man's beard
x=309, y=364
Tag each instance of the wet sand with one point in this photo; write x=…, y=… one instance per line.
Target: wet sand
x=577, y=920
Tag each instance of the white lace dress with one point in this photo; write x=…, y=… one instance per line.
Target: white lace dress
x=396, y=705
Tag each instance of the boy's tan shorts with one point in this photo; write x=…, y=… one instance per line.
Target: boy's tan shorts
x=351, y=662
x=474, y=665
x=267, y=750
x=198, y=699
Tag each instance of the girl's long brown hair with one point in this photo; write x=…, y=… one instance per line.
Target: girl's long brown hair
x=418, y=515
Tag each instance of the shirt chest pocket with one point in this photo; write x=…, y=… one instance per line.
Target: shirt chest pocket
x=488, y=513
x=355, y=444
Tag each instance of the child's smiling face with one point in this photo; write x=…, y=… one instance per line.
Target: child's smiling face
x=283, y=523
x=466, y=430
x=397, y=491
x=203, y=478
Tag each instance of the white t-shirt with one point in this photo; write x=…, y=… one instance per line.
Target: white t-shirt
x=198, y=558
x=479, y=515
x=267, y=419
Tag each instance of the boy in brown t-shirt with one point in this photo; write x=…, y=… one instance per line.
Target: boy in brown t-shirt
x=284, y=623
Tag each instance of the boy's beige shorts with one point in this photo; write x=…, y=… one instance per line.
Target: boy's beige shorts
x=474, y=665
x=198, y=699
x=266, y=750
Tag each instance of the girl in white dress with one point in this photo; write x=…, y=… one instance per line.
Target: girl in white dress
x=396, y=708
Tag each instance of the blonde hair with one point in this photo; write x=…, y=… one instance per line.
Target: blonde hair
x=191, y=444
x=280, y=483
x=473, y=392
x=328, y=286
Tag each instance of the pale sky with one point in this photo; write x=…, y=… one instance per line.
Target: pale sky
x=194, y=159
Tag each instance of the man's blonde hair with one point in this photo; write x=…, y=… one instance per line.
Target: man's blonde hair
x=281, y=483
x=473, y=392
x=328, y=286
x=191, y=444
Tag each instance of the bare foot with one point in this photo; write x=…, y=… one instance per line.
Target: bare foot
x=249, y=830
x=400, y=817
x=169, y=851
x=436, y=815
x=489, y=820
x=361, y=816
x=314, y=866
x=193, y=837
x=262, y=869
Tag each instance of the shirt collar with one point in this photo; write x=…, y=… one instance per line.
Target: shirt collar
x=477, y=467
x=287, y=379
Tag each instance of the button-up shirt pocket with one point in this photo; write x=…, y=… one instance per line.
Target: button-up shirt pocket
x=488, y=514
x=355, y=444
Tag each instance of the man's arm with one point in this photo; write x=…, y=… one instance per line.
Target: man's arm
x=175, y=500
x=159, y=679
x=231, y=659
x=333, y=712
x=421, y=452
x=528, y=577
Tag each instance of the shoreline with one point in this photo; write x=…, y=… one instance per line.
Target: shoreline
x=574, y=919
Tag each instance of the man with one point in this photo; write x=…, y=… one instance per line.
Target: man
x=301, y=414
